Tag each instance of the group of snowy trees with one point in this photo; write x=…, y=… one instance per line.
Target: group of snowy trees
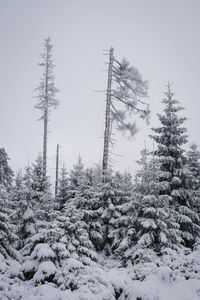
x=54, y=238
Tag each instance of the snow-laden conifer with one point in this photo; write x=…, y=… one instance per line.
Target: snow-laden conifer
x=170, y=138
x=63, y=189
x=6, y=173
x=7, y=236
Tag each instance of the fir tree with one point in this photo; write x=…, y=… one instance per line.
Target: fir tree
x=112, y=213
x=6, y=174
x=42, y=201
x=77, y=174
x=193, y=181
x=170, y=138
x=63, y=189
x=147, y=177
x=193, y=163
x=7, y=236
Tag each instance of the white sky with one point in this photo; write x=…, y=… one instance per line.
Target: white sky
x=160, y=37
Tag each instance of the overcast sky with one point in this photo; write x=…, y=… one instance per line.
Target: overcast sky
x=160, y=37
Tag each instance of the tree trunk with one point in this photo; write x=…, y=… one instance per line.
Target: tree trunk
x=46, y=112
x=57, y=166
x=107, y=132
x=45, y=143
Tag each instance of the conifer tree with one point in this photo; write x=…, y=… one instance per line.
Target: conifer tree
x=63, y=189
x=77, y=174
x=7, y=236
x=43, y=252
x=123, y=214
x=193, y=163
x=42, y=201
x=110, y=212
x=6, y=174
x=125, y=90
x=193, y=181
x=46, y=98
x=170, y=138
x=18, y=204
x=147, y=177
x=22, y=196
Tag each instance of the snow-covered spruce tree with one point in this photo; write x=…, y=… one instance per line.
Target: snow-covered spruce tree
x=63, y=189
x=193, y=163
x=124, y=213
x=76, y=174
x=36, y=230
x=7, y=236
x=148, y=226
x=75, y=212
x=173, y=189
x=18, y=205
x=147, y=177
x=42, y=201
x=44, y=252
x=60, y=243
x=26, y=208
x=88, y=202
x=40, y=236
x=77, y=178
x=46, y=98
x=22, y=197
x=112, y=211
x=96, y=175
x=6, y=173
x=75, y=219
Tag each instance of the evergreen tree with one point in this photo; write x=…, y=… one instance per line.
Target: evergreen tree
x=147, y=177
x=193, y=163
x=170, y=138
x=43, y=253
x=6, y=174
x=63, y=189
x=18, y=205
x=77, y=211
x=42, y=201
x=124, y=213
x=26, y=225
x=77, y=174
x=110, y=209
x=7, y=236
x=96, y=175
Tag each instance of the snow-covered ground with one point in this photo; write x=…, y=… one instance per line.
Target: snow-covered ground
x=150, y=280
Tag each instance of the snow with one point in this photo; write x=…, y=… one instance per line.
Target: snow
x=45, y=269
x=175, y=275
x=155, y=288
x=43, y=251
x=103, y=283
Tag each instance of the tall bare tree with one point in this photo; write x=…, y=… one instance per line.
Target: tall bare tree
x=125, y=90
x=46, y=97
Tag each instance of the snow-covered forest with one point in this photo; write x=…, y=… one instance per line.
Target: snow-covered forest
x=105, y=235
x=93, y=232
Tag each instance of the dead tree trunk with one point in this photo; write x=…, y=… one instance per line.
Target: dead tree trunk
x=45, y=142
x=107, y=132
x=46, y=111
x=57, y=170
